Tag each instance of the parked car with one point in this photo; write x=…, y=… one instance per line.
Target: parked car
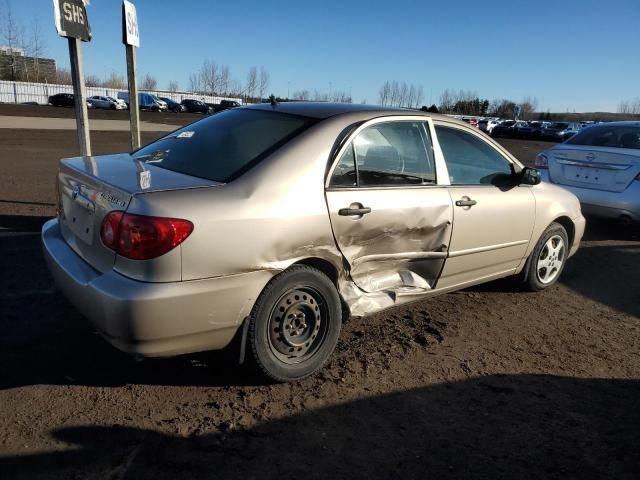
x=196, y=106
x=537, y=127
x=173, y=106
x=109, y=103
x=471, y=121
x=522, y=129
x=601, y=166
x=146, y=101
x=504, y=129
x=66, y=100
x=560, y=131
x=248, y=228
x=487, y=125
x=224, y=105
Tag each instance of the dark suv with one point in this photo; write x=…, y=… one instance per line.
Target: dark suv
x=196, y=106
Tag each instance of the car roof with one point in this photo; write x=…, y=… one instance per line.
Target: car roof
x=324, y=110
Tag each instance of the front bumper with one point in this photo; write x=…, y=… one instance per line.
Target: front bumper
x=600, y=203
x=153, y=319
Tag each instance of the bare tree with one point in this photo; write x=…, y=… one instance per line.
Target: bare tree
x=195, y=85
x=264, y=82
x=92, y=81
x=301, y=95
x=385, y=93
x=63, y=76
x=12, y=34
x=528, y=108
x=252, y=82
x=446, y=101
x=225, y=79
x=36, y=47
x=173, y=86
x=114, y=81
x=149, y=83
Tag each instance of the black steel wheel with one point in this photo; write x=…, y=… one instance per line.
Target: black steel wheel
x=295, y=324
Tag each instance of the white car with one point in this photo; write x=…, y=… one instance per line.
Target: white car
x=487, y=125
x=109, y=103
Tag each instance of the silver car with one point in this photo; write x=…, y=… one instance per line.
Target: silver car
x=601, y=166
x=108, y=103
x=266, y=226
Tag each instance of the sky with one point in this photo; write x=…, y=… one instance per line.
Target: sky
x=571, y=55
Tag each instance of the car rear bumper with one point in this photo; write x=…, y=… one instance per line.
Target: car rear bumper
x=153, y=319
x=600, y=203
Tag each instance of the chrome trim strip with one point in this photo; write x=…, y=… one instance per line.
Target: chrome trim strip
x=603, y=166
x=471, y=251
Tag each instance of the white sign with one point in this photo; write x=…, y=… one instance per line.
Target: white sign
x=130, y=34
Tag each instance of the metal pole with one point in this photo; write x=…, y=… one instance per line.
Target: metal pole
x=77, y=77
x=134, y=109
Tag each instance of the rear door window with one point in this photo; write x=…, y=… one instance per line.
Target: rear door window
x=387, y=154
x=470, y=160
x=223, y=146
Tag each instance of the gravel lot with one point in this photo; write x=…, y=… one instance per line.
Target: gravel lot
x=485, y=383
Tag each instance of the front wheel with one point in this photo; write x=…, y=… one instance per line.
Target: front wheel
x=548, y=258
x=295, y=324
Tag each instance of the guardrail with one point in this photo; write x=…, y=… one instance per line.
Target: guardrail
x=22, y=92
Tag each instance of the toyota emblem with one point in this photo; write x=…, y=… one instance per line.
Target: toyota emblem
x=590, y=156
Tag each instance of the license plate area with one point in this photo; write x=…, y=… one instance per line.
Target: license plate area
x=79, y=216
x=588, y=175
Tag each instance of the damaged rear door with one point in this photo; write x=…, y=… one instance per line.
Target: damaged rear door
x=390, y=219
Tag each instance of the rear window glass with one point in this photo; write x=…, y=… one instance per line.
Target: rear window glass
x=225, y=145
x=608, y=136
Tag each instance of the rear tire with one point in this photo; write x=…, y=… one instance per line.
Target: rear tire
x=295, y=324
x=548, y=258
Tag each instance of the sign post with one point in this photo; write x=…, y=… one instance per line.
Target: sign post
x=131, y=40
x=72, y=23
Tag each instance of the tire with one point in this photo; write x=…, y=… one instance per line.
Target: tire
x=537, y=275
x=297, y=343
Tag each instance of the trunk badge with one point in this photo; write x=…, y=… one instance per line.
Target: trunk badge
x=590, y=156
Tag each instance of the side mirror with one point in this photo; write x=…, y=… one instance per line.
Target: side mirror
x=529, y=176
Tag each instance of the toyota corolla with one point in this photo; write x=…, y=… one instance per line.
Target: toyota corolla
x=267, y=226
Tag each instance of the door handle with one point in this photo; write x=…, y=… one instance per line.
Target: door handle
x=465, y=202
x=348, y=212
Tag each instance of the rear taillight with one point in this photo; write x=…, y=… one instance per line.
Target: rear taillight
x=141, y=237
x=541, y=161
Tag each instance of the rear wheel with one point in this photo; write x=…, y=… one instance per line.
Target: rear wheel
x=548, y=258
x=295, y=324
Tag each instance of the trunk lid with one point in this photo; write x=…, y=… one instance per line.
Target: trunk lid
x=598, y=168
x=90, y=187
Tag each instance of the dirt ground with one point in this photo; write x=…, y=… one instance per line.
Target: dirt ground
x=47, y=111
x=490, y=382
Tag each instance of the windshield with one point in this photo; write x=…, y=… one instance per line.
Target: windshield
x=223, y=146
x=508, y=123
x=608, y=136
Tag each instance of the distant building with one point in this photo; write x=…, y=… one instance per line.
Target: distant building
x=15, y=65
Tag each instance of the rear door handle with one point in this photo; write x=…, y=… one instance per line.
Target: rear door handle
x=465, y=202
x=348, y=212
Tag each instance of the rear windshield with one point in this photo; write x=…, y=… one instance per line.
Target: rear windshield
x=608, y=136
x=225, y=145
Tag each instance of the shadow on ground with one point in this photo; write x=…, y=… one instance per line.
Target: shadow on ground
x=519, y=426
